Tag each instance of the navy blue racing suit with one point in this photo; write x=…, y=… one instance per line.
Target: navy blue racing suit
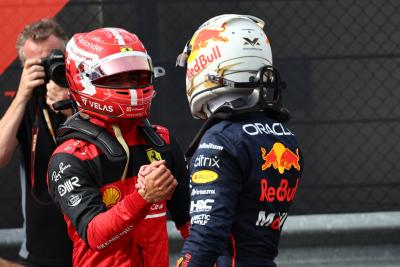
x=244, y=176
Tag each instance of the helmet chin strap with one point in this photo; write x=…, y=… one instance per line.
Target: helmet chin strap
x=249, y=103
x=215, y=103
x=237, y=103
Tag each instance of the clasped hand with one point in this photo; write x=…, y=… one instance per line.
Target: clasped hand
x=156, y=182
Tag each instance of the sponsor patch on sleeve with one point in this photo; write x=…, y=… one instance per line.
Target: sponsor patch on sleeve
x=204, y=176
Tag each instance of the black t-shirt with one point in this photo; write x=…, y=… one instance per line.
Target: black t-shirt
x=47, y=241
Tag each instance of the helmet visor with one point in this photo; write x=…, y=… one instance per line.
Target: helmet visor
x=130, y=79
x=116, y=64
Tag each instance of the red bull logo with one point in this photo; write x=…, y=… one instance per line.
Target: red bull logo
x=280, y=158
x=199, y=41
x=282, y=193
x=202, y=61
x=204, y=36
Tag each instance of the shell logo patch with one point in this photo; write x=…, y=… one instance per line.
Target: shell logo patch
x=153, y=155
x=204, y=176
x=111, y=196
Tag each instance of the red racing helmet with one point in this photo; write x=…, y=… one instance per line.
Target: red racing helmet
x=110, y=74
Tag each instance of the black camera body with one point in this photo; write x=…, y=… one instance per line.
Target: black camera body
x=54, y=67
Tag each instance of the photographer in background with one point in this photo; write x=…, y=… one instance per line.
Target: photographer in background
x=31, y=121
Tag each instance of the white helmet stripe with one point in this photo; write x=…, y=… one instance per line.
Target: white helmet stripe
x=133, y=97
x=117, y=36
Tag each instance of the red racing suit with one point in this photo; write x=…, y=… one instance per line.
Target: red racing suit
x=108, y=221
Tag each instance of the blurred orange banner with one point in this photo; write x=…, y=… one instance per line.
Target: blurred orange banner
x=14, y=15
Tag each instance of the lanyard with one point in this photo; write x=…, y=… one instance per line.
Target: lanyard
x=35, y=134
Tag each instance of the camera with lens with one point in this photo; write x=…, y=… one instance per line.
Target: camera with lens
x=54, y=67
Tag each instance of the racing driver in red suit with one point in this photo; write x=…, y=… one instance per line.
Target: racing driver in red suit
x=92, y=175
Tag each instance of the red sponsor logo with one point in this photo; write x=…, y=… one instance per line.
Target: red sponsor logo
x=280, y=158
x=281, y=193
x=9, y=93
x=202, y=61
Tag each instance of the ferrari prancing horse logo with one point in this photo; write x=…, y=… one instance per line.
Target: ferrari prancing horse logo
x=153, y=155
x=126, y=49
